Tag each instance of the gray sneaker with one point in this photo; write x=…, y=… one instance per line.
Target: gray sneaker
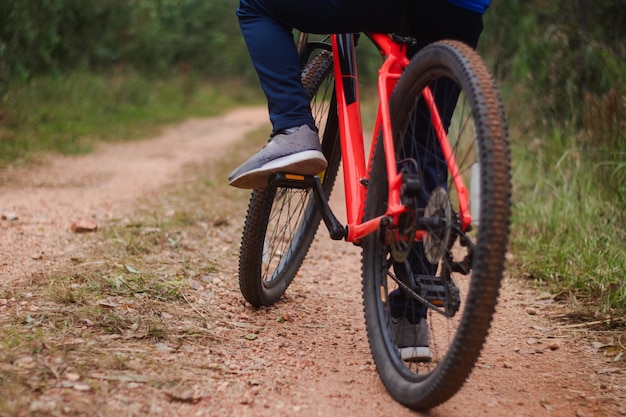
x=412, y=340
x=296, y=152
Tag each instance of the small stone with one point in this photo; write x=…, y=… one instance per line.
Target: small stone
x=162, y=347
x=531, y=311
x=72, y=376
x=546, y=404
x=9, y=216
x=84, y=226
x=554, y=345
x=307, y=363
x=26, y=362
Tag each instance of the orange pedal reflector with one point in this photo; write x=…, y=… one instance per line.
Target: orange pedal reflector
x=294, y=177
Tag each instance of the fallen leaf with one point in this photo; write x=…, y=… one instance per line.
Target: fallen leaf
x=608, y=371
x=120, y=377
x=72, y=376
x=544, y=296
x=599, y=345
x=245, y=325
x=87, y=321
x=546, y=404
x=185, y=397
x=131, y=269
x=107, y=304
x=163, y=347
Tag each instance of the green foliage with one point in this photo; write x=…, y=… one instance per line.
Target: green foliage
x=562, y=50
x=67, y=113
x=568, y=55
x=560, y=63
x=153, y=36
x=565, y=235
x=563, y=60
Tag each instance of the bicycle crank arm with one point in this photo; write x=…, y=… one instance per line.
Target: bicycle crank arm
x=336, y=230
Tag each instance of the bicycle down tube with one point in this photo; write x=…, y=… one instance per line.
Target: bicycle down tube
x=351, y=134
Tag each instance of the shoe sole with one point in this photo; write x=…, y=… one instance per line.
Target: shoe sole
x=415, y=354
x=301, y=163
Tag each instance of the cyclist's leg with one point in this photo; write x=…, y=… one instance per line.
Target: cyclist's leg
x=430, y=22
x=266, y=26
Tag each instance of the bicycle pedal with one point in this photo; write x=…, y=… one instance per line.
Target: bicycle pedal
x=285, y=180
x=432, y=289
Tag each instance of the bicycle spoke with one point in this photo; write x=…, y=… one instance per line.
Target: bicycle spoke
x=281, y=222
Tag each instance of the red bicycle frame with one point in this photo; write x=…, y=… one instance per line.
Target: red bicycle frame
x=351, y=133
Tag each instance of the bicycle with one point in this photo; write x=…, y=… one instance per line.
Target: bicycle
x=436, y=189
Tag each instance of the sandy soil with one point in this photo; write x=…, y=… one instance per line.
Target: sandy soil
x=317, y=363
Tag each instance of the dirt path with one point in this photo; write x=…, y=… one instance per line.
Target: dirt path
x=317, y=362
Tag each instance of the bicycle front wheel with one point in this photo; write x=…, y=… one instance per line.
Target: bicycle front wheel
x=281, y=222
x=429, y=304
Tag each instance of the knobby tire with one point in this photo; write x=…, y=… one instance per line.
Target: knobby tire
x=479, y=139
x=281, y=222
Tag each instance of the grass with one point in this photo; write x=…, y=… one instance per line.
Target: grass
x=568, y=232
x=69, y=113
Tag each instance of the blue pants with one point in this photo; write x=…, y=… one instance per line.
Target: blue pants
x=267, y=25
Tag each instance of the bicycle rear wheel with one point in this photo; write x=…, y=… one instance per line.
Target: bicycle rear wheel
x=281, y=222
x=450, y=279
